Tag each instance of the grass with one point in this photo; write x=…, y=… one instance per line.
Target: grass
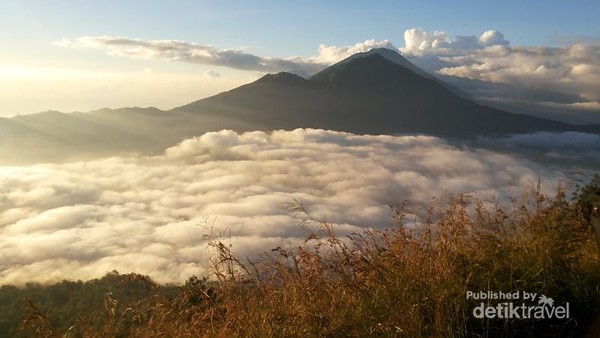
x=400, y=281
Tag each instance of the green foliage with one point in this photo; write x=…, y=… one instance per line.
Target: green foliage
x=47, y=310
x=586, y=195
x=393, y=282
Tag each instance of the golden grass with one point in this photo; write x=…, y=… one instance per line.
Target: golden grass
x=392, y=282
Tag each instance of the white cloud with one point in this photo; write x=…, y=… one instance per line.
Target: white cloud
x=81, y=220
x=333, y=54
x=416, y=40
x=419, y=41
x=572, y=70
x=181, y=51
x=492, y=38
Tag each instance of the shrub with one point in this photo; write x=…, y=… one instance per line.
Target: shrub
x=398, y=281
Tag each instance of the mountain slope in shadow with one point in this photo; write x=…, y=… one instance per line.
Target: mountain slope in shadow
x=370, y=94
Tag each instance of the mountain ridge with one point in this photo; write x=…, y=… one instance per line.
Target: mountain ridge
x=412, y=103
x=368, y=93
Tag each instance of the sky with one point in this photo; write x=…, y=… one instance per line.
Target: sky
x=43, y=65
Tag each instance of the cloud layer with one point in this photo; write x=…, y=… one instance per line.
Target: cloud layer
x=332, y=54
x=573, y=70
x=565, y=77
x=81, y=220
x=180, y=51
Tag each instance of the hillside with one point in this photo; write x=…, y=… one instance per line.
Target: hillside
x=394, y=282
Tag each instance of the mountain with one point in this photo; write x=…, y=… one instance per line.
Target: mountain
x=390, y=55
x=368, y=93
x=378, y=92
x=398, y=59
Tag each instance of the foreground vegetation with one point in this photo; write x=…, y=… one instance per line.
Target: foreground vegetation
x=394, y=282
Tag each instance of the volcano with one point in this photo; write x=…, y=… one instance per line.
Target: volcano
x=378, y=92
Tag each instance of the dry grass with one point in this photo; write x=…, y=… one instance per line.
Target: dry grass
x=393, y=282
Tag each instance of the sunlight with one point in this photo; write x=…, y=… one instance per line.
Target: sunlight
x=17, y=71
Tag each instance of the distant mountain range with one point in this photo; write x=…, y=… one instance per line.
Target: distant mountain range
x=379, y=92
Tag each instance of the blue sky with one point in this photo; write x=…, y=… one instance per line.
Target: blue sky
x=284, y=28
x=30, y=28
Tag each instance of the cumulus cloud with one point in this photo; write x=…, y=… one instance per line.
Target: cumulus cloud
x=574, y=69
x=550, y=72
x=333, y=54
x=81, y=220
x=419, y=41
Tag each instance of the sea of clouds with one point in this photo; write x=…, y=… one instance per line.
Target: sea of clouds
x=145, y=214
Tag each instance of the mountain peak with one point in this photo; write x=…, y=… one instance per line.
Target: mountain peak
x=395, y=57
x=282, y=78
x=363, y=68
x=387, y=53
